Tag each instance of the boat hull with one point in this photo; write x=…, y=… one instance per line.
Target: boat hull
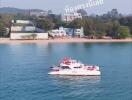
x=75, y=73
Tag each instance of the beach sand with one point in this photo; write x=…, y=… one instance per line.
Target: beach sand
x=71, y=40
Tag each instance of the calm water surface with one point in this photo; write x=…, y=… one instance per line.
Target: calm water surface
x=24, y=68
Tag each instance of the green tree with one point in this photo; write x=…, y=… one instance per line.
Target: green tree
x=124, y=32
x=130, y=29
x=5, y=22
x=86, y=23
x=2, y=29
x=45, y=24
x=77, y=23
x=115, y=29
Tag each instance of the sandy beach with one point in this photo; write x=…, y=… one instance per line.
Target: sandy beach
x=71, y=40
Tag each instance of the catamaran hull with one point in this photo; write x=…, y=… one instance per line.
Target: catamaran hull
x=88, y=73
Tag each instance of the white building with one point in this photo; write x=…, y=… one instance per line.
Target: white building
x=67, y=32
x=58, y=32
x=40, y=13
x=24, y=29
x=75, y=32
x=37, y=14
x=79, y=32
x=68, y=17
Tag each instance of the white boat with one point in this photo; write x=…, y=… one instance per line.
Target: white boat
x=73, y=67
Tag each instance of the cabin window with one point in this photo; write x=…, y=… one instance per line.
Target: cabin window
x=78, y=67
x=65, y=67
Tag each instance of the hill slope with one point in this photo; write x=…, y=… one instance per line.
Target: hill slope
x=10, y=10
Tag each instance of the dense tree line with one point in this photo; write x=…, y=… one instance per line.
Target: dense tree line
x=97, y=29
x=5, y=22
x=111, y=24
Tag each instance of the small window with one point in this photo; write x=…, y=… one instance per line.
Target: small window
x=78, y=67
x=65, y=67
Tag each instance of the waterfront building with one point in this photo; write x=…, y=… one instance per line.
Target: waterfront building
x=73, y=32
x=58, y=32
x=25, y=29
x=68, y=17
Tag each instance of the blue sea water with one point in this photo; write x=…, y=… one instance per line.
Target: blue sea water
x=24, y=68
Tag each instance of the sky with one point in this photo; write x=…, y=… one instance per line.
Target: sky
x=58, y=6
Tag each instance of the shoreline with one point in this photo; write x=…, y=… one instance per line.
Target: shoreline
x=71, y=40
